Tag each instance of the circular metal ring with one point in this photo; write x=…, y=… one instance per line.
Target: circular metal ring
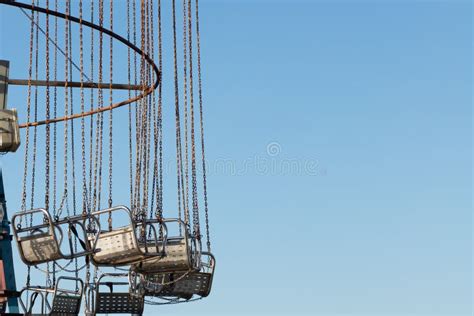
x=145, y=92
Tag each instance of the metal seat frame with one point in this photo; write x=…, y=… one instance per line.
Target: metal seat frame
x=63, y=302
x=123, y=246
x=42, y=242
x=181, y=286
x=9, y=131
x=103, y=302
x=182, y=254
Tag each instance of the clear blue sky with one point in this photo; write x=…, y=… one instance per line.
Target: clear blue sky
x=370, y=103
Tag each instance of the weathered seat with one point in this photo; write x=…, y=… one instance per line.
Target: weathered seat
x=58, y=300
x=42, y=242
x=9, y=131
x=181, y=254
x=39, y=248
x=121, y=246
x=113, y=297
x=183, y=285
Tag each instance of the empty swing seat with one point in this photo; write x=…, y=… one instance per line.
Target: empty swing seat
x=117, y=247
x=120, y=246
x=116, y=298
x=9, y=131
x=41, y=243
x=37, y=244
x=184, y=285
x=63, y=301
x=180, y=254
x=39, y=248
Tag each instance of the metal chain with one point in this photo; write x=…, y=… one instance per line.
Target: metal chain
x=111, y=115
x=48, y=133
x=154, y=189
x=206, y=205
x=177, y=117
x=196, y=225
x=28, y=117
x=35, y=117
x=88, y=197
x=73, y=160
x=146, y=114
x=129, y=77
x=55, y=112
x=66, y=111
x=91, y=123
x=159, y=131
x=185, y=92
x=83, y=123
x=98, y=153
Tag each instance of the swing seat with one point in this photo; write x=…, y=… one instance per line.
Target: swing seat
x=42, y=243
x=37, y=244
x=179, y=254
x=120, y=246
x=177, y=258
x=66, y=304
x=194, y=283
x=9, y=131
x=39, y=248
x=117, y=247
x=184, y=285
x=115, y=300
x=63, y=302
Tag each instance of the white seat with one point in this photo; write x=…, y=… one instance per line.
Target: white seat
x=41, y=243
x=9, y=131
x=120, y=246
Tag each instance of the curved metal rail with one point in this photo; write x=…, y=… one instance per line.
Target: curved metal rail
x=146, y=90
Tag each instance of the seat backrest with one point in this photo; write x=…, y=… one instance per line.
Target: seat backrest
x=177, y=259
x=39, y=248
x=117, y=247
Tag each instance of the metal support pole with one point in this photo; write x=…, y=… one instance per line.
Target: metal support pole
x=6, y=250
x=4, y=67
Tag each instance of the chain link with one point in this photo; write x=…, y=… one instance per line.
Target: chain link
x=206, y=206
x=196, y=225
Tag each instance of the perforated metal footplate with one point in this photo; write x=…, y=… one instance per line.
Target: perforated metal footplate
x=64, y=304
x=118, y=303
x=196, y=283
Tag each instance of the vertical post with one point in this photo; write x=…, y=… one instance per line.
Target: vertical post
x=6, y=250
x=4, y=69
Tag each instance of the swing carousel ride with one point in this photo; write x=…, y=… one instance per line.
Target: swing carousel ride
x=98, y=257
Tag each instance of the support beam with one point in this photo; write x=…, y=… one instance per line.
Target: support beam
x=6, y=255
x=4, y=69
x=75, y=84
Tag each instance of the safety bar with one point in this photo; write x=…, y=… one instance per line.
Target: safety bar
x=28, y=308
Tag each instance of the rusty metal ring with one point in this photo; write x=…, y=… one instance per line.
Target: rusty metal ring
x=145, y=92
